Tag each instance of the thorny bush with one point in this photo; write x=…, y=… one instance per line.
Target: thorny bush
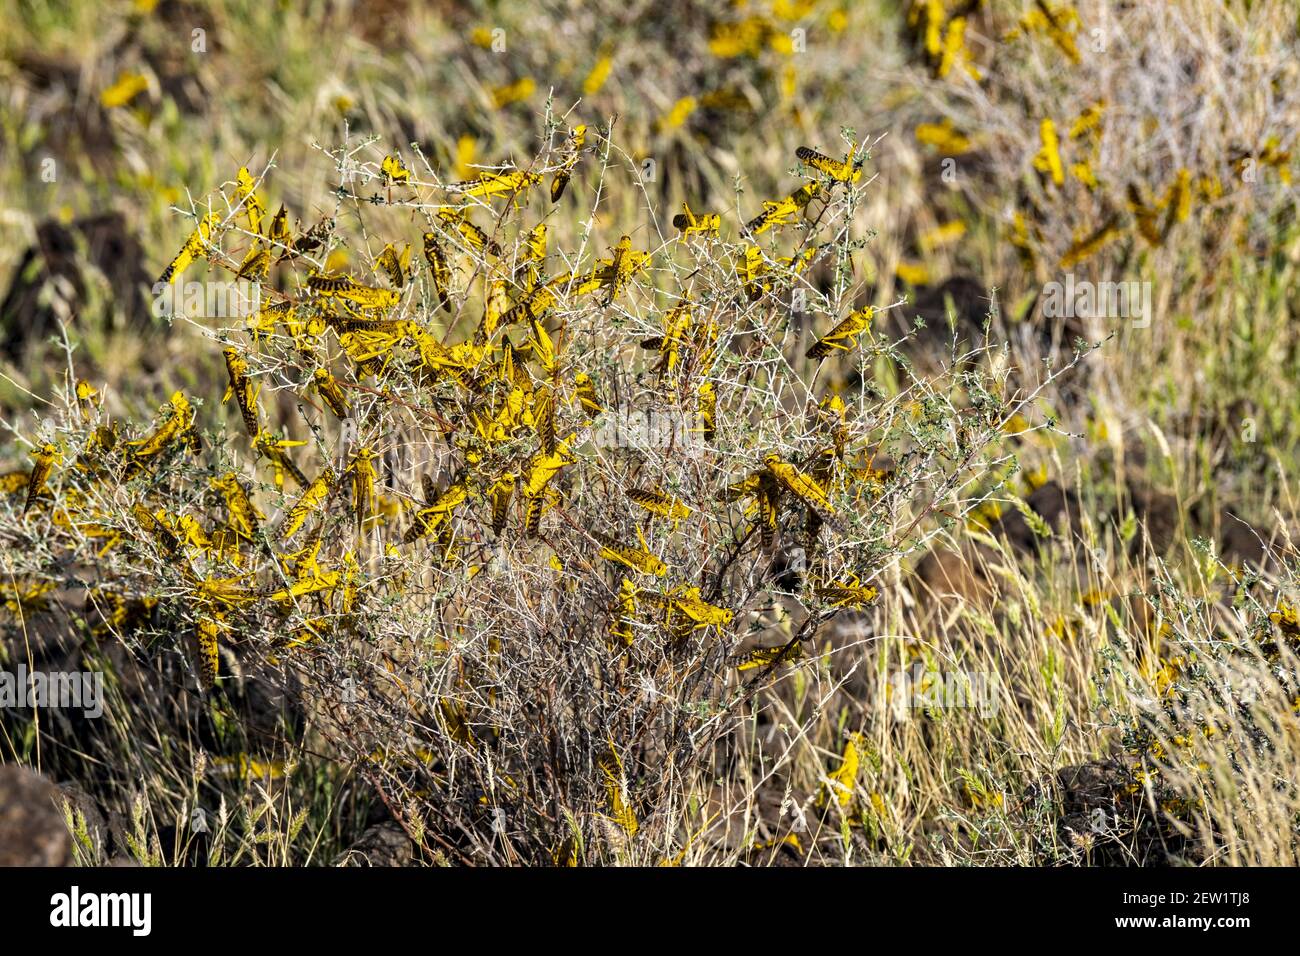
x=497, y=521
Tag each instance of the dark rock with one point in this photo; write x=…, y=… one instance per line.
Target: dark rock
x=1243, y=545
x=96, y=834
x=384, y=844
x=32, y=829
x=46, y=638
x=52, y=280
x=179, y=68
x=1158, y=513
x=944, y=574
x=1101, y=823
x=72, y=124
x=963, y=298
x=1058, y=506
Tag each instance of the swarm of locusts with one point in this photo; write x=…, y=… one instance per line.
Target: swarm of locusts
x=530, y=505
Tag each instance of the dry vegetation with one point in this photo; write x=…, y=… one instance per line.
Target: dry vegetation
x=558, y=500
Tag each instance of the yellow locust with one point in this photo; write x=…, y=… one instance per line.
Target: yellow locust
x=624, y=613
x=205, y=638
x=361, y=470
x=231, y=592
x=534, y=303
x=256, y=264
x=242, y=388
x=841, y=781
x=496, y=304
x=638, y=559
x=193, y=248
x=619, y=811
x=687, y=223
x=396, y=264
x=336, y=285
x=660, y=504
x=844, y=336
x=781, y=212
x=802, y=486
x=474, y=237
x=280, y=237
x=764, y=493
x=161, y=532
x=496, y=184
x=439, y=270
x=177, y=427
x=392, y=170
x=543, y=417
x=312, y=498
x=676, y=330
x=246, y=195
x=542, y=468
x=687, y=611
x=542, y=348
x=531, y=257
x=439, y=508
x=615, y=272
x=242, y=516
x=847, y=592
x=86, y=395
x=842, y=172
x=751, y=270
x=586, y=394
x=331, y=392
x=577, y=137
x=303, y=564
x=1048, y=158
x=499, y=496
x=708, y=411
x=1090, y=244
x=273, y=450
x=771, y=656
x=45, y=458
x=313, y=584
